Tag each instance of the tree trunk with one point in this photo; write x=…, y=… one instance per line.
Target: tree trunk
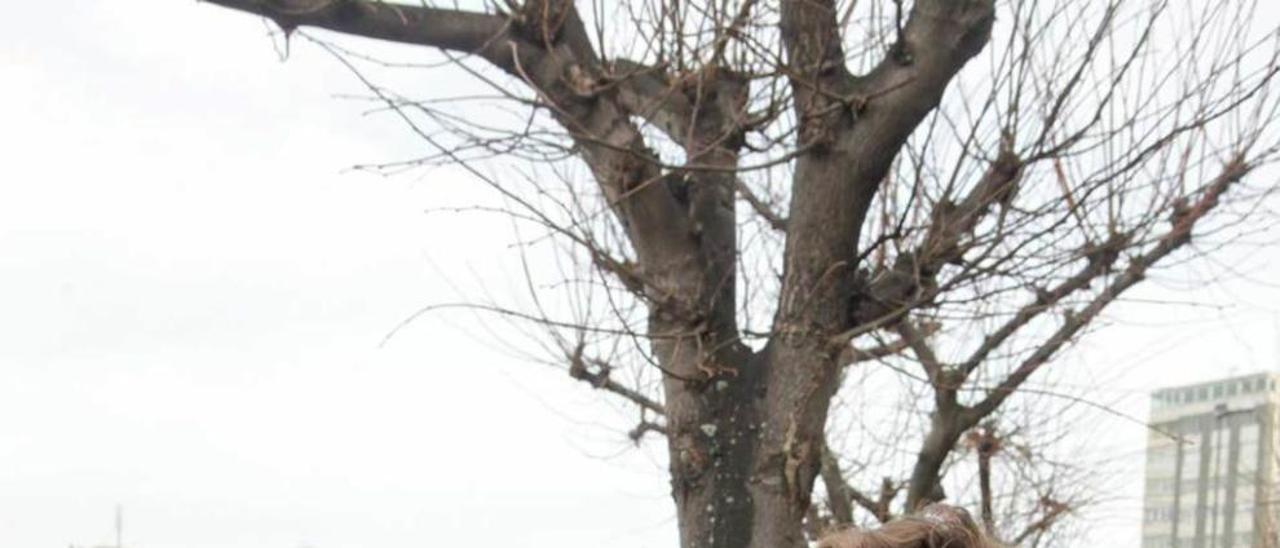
x=925, y=485
x=712, y=435
x=739, y=478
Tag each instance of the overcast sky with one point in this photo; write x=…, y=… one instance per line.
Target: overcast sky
x=193, y=292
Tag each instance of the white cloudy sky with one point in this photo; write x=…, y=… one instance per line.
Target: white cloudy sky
x=193, y=292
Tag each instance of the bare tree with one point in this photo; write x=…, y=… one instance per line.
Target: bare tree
x=780, y=196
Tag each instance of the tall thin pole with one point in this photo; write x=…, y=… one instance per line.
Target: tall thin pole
x=1215, y=478
x=119, y=527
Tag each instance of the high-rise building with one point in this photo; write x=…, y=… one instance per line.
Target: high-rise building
x=1212, y=473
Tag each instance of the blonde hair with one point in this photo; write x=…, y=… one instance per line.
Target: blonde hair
x=935, y=526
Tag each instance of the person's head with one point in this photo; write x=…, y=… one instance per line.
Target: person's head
x=936, y=526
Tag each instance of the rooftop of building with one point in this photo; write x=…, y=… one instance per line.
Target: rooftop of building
x=1260, y=383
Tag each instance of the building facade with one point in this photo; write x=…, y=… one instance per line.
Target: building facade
x=1211, y=472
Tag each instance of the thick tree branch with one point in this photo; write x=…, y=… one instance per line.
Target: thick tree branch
x=1184, y=221
x=840, y=495
x=706, y=109
x=938, y=39
x=455, y=30
x=557, y=62
x=849, y=132
x=857, y=126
